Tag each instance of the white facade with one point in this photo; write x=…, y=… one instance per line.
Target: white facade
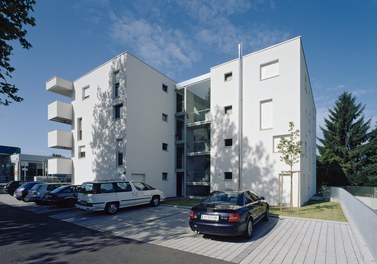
x=184, y=138
x=117, y=128
x=275, y=91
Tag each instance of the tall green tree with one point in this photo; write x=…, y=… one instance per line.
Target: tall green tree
x=369, y=165
x=341, y=150
x=14, y=17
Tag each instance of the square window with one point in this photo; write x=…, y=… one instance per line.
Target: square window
x=228, y=76
x=165, y=146
x=164, y=88
x=228, y=109
x=228, y=142
x=269, y=70
x=116, y=90
x=164, y=176
x=228, y=175
x=164, y=117
x=85, y=92
x=118, y=113
x=276, y=141
x=81, y=152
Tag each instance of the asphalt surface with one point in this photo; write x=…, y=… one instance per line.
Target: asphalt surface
x=26, y=237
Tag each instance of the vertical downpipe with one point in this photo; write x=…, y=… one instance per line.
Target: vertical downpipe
x=240, y=115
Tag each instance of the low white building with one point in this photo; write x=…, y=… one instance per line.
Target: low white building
x=128, y=120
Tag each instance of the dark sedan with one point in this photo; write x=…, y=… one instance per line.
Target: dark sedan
x=229, y=213
x=63, y=196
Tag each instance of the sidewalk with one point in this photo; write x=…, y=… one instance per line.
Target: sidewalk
x=284, y=240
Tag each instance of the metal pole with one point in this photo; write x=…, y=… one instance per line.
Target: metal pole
x=240, y=114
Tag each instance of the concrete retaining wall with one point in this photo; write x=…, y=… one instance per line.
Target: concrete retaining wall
x=360, y=215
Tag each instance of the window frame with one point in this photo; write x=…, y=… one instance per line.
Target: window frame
x=227, y=141
x=117, y=114
x=228, y=109
x=165, y=88
x=227, y=173
x=85, y=92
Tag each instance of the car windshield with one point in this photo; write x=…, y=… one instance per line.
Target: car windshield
x=222, y=198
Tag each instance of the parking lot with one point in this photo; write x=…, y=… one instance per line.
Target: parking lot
x=284, y=240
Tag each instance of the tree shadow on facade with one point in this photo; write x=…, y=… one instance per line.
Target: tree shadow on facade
x=259, y=171
x=109, y=124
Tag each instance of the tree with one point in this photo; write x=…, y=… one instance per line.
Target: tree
x=290, y=151
x=342, y=147
x=369, y=164
x=14, y=16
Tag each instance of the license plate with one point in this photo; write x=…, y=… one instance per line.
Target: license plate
x=209, y=217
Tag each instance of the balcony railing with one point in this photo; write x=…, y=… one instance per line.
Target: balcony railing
x=60, y=139
x=60, y=112
x=60, y=166
x=198, y=177
x=60, y=86
x=199, y=116
x=199, y=146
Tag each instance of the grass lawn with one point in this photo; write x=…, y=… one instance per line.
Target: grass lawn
x=315, y=210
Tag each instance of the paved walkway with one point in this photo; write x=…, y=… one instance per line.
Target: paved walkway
x=284, y=240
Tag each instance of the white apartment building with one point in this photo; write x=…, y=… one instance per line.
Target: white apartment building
x=128, y=120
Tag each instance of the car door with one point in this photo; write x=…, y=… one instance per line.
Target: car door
x=142, y=193
x=258, y=205
x=125, y=194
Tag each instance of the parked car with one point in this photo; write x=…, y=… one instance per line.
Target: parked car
x=229, y=213
x=65, y=195
x=112, y=195
x=38, y=191
x=21, y=192
x=11, y=187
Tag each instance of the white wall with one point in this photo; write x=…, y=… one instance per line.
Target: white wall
x=261, y=166
x=141, y=128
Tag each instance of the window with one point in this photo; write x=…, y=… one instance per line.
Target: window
x=118, y=111
x=164, y=117
x=228, y=175
x=85, y=92
x=119, y=157
x=81, y=152
x=79, y=128
x=228, y=110
x=276, y=141
x=164, y=176
x=107, y=188
x=269, y=70
x=116, y=90
x=165, y=146
x=164, y=88
x=228, y=76
x=266, y=114
x=123, y=187
x=228, y=142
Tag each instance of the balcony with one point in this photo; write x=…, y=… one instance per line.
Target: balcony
x=198, y=178
x=60, y=166
x=60, y=112
x=60, y=139
x=60, y=86
x=198, y=117
x=202, y=147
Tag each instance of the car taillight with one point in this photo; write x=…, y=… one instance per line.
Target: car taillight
x=192, y=214
x=234, y=217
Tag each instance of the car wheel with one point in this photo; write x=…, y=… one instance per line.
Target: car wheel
x=111, y=208
x=249, y=228
x=266, y=215
x=155, y=201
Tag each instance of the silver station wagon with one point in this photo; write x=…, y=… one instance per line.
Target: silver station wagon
x=112, y=195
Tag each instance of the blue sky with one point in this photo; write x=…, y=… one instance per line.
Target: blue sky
x=183, y=39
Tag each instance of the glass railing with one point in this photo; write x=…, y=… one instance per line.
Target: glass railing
x=198, y=176
x=180, y=107
x=199, y=116
x=199, y=146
